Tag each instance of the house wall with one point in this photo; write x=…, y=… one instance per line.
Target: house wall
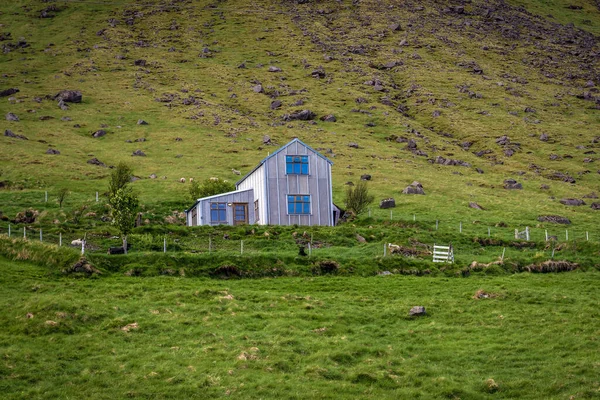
x=246, y=196
x=317, y=184
x=257, y=181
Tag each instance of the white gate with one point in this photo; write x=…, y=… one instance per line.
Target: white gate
x=443, y=253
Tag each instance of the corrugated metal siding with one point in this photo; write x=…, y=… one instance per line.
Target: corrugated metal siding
x=257, y=181
x=246, y=196
x=316, y=184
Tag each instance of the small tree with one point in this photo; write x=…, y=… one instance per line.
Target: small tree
x=210, y=187
x=357, y=198
x=61, y=196
x=119, y=178
x=124, y=204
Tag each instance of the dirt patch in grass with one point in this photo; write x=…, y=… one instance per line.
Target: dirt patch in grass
x=552, y=266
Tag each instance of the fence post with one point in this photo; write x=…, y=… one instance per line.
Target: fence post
x=369, y=213
x=46, y=197
x=24, y=233
x=489, y=232
x=552, y=256
x=8, y=230
x=165, y=244
x=391, y=217
x=83, y=247
x=503, y=250
x=309, y=250
x=567, y=234
x=436, y=224
x=546, y=235
x=96, y=197
x=41, y=235
x=460, y=227
x=241, y=247
x=587, y=236
x=527, y=233
x=516, y=233
x=414, y=217
x=59, y=239
x=209, y=244
x=384, y=250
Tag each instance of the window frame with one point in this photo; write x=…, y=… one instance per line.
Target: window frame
x=218, y=210
x=305, y=202
x=297, y=164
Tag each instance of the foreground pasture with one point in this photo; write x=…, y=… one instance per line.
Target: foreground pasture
x=524, y=336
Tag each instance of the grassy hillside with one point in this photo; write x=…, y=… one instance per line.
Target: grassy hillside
x=532, y=337
x=453, y=79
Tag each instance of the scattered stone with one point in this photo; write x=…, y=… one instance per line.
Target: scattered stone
x=142, y=122
x=360, y=239
x=387, y=203
x=8, y=92
x=595, y=206
x=11, y=134
x=544, y=137
x=572, y=202
x=529, y=110
x=544, y=187
x=69, y=96
x=152, y=176
x=318, y=74
x=555, y=219
x=12, y=117
x=503, y=140
x=414, y=188
x=242, y=65
x=99, y=133
x=139, y=153
x=267, y=140
x=395, y=27
x=475, y=206
x=95, y=161
x=138, y=140
x=559, y=176
x=139, y=63
x=436, y=113
x=274, y=69
x=26, y=217
x=328, y=118
x=353, y=145
x=178, y=139
x=275, y=104
x=447, y=161
x=417, y=311
x=512, y=184
x=258, y=89
x=592, y=195
x=479, y=170
x=304, y=115
x=52, y=151
x=365, y=177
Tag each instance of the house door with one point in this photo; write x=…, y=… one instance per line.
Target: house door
x=240, y=213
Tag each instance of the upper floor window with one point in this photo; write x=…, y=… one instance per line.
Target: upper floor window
x=298, y=204
x=218, y=213
x=296, y=165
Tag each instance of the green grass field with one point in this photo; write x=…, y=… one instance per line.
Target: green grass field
x=534, y=337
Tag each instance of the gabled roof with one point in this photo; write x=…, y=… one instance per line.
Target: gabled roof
x=216, y=195
x=296, y=140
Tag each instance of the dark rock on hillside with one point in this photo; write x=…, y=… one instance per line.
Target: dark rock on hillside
x=26, y=217
x=69, y=96
x=559, y=176
x=274, y=69
x=52, y=151
x=139, y=153
x=353, y=145
x=142, y=122
x=414, y=188
x=304, y=115
x=448, y=161
x=395, y=27
x=476, y=206
x=555, y=219
x=99, y=133
x=62, y=105
x=258, y=89
x=387, y=203
x=572, y=202
x=318, y=73
x=544, y=187
x=595, y=206
x=138, y=140
x=139, y=63
x=95, y=161
x=481, y=153
x=275, y=104
x=479, y=170
x=328, y=118
x=12, y=117
x=8, y=92
x=544, y=137
x=512, y=184
x=503, y=140
x=365, y=177
x=11, y=134
x=267, y=140
x=152, y=176
x=592, y=195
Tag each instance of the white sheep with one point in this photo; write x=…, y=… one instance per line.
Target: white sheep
x=182, y=180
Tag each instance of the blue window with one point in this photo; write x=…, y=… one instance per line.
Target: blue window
x=298, y=204
x=296, y=165
x=218, y=213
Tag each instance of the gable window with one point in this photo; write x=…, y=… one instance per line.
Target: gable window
x=218, y=213
x=298, y=204
x=296, y=165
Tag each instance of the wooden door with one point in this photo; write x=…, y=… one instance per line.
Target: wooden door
x=240, y=213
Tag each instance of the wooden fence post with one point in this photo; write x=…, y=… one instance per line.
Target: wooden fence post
x=24, y=233
x=165, y=244
x=460, y=227
x=59, y=239
x=8, y=230
x=41, y=235
x=384, y=250
x=436, y=224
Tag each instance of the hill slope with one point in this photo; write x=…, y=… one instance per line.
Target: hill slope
x=499, y=89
